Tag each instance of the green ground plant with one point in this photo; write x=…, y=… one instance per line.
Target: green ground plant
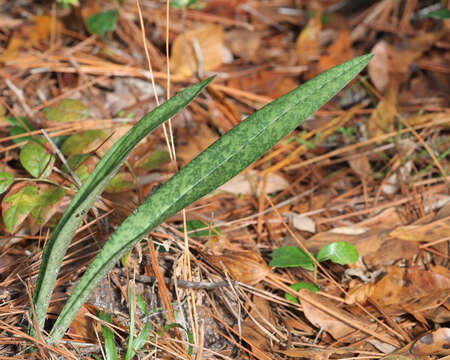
x=224, y=159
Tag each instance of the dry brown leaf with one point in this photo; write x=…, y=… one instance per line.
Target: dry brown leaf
x=247, y=49
x=336, y=327
x=383, y=117
x=435, y=230
x=193, y=140
x=303, y=223
x=339, y=52
x=199, y=49
x=249, y=182
x=308, y=42
x=378, y=67
x=361, y=165
x=244, y=266
x=435, y=343
x=82, y=327
x=30, y=35
x=400, y=286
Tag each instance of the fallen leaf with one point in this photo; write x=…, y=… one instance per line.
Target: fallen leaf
x=249, y=182
x=244, y=266
x=303, y=223
x=378, y=67
x=199, y=49
x=435, y=343
x=337, y=328
x=339, y=52
x=308, y=42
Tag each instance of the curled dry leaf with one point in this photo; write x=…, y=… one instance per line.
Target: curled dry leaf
x=245, y=266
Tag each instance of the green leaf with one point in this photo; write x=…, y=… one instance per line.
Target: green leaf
x=36, y=160
x=48, y=197
x=121, y=182
x=56, y=246
x=440, y=14
x=291, y=256
x=155, y=160
x=300, y=285
x=339, y=252
x=142, y=337
x=142, y=305
x=130, y=348
x=192, y=225
x=77, y=144
x=6, y=179
x=102, y=22
x=17, y=206
x=224, y=159
x=19, y=127
x=67, y=110
x=108, y=336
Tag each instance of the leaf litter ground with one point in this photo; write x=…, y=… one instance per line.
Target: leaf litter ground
x=370, y=168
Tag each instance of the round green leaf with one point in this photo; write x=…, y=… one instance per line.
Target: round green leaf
x=102, y=22
x=18, y=206
x=300, y=285
x=35, y=159
x=6, y=179
x=291, y=256
x=339, y=252
x=80, y=143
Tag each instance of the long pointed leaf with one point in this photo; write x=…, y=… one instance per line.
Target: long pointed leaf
x=56, y=246
x=224, y=159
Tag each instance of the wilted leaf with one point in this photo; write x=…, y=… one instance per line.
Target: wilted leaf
x=300, y=285
x=383, y=117
x=120, y=183
x=36, y=160
x=208, y=40
x=17, y=205
x=6, y=179
x=67, y=110
x=291, y=256
x=339, y=252
x=102, y=22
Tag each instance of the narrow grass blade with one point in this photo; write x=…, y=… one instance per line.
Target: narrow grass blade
x=108, y=336
x=130, y=346
x=56, y=246
x=224, y=159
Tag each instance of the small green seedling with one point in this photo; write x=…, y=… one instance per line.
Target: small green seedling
x=102, y=22
x=291, y=256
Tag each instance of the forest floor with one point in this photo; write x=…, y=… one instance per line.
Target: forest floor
x=366, y=178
